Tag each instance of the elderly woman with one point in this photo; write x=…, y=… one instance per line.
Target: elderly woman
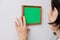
x=54, y=21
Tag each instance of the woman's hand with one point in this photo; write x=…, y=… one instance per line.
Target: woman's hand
x=21, y=28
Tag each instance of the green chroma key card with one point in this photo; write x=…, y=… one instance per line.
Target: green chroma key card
x=33, y=14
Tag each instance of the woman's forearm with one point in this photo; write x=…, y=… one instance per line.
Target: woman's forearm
x=22, y=37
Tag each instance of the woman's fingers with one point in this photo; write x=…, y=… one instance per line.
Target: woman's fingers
x=16, y=25
x=18, y=22
x=24, y=21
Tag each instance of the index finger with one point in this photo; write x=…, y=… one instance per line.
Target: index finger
x=24, y=21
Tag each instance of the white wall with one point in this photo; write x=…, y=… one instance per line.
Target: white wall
x=10, y=9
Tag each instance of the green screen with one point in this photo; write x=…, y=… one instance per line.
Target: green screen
x=32, y=15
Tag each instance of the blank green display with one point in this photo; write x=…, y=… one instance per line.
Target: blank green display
x=32, y=15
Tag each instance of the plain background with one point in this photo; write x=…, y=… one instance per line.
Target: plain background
x=10, y=9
